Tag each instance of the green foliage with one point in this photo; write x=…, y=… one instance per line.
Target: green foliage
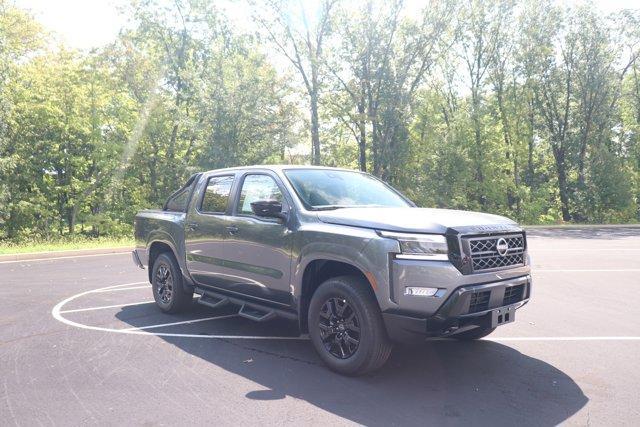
x=531, y=112
x=92, y=138
x=611, y=188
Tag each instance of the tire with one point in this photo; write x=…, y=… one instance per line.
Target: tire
x=473, y=334
x=168, y=289
x=343, y=310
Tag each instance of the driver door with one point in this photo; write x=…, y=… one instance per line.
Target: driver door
x=258, y=249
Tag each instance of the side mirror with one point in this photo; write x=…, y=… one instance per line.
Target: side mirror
x=268, y=209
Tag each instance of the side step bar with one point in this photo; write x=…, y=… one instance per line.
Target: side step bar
x=249, y=310
x=213, y=302
x=255, y=314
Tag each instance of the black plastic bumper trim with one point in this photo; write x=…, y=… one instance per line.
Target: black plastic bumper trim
x=403, y=328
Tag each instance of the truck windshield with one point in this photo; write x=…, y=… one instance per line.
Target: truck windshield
x=322, y=189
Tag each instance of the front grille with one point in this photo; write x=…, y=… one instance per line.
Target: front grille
x=479, y=301
x=485, y=256
x=513, y=294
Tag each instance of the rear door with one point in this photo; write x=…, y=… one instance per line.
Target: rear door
x=258, y=250
x=206, y=229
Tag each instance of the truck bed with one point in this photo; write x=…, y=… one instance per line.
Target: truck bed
x=159, y=226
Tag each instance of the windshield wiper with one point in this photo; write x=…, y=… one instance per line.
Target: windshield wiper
x=333, y=207
x=329, y=207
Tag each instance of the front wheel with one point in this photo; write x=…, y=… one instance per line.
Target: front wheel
x=346, y=327
x=166, y=281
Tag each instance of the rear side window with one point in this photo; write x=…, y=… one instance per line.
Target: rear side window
x=216, y=196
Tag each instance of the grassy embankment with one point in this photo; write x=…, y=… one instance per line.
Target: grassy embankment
x=127, y=242
x=65, y=244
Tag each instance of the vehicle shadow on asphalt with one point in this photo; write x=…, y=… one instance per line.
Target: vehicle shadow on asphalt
x=438, y=382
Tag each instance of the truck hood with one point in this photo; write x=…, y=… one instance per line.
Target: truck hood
x=418, y=220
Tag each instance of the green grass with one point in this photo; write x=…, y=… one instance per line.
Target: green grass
x=65, y=245
x=579, y=225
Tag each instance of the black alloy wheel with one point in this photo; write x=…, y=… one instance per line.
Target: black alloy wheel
x=339, y=328
x=346, y=327
x=164, y=283
x=168, y=288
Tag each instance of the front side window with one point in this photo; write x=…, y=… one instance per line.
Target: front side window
x=216, y=196
x=322, y=189
x=257, y=188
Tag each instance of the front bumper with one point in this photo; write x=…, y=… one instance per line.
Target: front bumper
x=467, y=307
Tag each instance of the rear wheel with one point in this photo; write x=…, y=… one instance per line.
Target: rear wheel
x=346, y=327
x=166, y=281
x=473, y=334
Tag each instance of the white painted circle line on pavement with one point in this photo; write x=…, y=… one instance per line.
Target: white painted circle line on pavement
x=515, y=339
x=142, y=330
x=183, y=322
x=57, y=314
x=613, y=270
x=124, y=288
x=102, y=307
x=25, y=261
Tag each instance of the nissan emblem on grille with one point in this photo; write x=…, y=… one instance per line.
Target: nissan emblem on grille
x=502, y=246
x=491, y=252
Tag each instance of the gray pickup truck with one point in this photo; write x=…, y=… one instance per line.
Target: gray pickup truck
x=355, y=263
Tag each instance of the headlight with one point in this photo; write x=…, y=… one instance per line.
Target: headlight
x=420, y=246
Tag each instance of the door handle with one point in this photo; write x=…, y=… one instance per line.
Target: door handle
x=232, y=229
x=192, y=226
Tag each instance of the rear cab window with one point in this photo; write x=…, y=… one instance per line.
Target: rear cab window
x=216, y=196
x=179, y=200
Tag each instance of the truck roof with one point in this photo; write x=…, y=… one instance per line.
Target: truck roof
x=276, y=168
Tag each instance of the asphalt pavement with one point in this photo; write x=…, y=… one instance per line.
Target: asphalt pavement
x=82, y=343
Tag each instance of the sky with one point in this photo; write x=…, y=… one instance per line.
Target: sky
x=82, y=24
x=85, y=24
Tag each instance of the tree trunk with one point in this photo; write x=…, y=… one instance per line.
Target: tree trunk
x=362, y=149
x=11, y=223
x=584, y=140
x=375, y=147
x=478, y=154
x=315, y=131
x=72, y=213
x=478, y=160
x=558, y=154
x=530, y=170
x=171, y=155
x=362, y=140
x=510, y=151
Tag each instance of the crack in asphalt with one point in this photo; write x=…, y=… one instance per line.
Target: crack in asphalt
x=270, y=353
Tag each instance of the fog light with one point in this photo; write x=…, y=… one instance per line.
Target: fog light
x=420, y=292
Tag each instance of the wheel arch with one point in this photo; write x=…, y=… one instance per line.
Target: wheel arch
x=156, y=248
x=319, y=270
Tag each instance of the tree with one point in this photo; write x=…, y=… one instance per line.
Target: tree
x=389, y=59
x=553, y=85
x=301, y=42
x=484, y=29
x=20, y=36
x=363, y=52
x=530, y=110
